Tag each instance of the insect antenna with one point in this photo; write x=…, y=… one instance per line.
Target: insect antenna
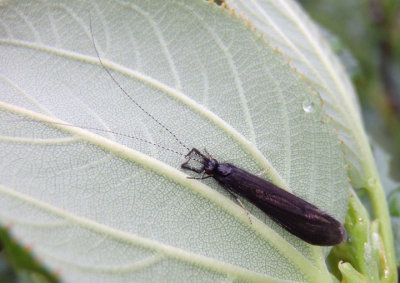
x=127, y=94
x=112, y=132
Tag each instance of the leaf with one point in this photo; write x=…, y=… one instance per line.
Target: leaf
x=392, y=190
x=351, y=275
x=97, y=205
x=363, y=239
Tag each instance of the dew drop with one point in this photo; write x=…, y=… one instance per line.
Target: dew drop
x=386, y=273
x=308, y=106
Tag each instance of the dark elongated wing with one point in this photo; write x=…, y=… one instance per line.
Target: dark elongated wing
x=296, y=215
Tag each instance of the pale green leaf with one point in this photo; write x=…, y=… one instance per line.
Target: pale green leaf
x=98, y=206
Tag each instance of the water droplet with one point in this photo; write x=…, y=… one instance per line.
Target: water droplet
x=308, y=106
x=386, y=273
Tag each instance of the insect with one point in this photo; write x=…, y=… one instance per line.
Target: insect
x=296, y=215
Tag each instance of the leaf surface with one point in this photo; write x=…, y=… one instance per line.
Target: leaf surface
x=97, y=205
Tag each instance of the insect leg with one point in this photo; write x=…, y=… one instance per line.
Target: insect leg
x=239, y=201
x=200, y=178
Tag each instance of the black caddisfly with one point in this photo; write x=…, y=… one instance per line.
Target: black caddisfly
x=296, y=215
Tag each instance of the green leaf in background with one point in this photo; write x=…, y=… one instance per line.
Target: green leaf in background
x=97, y=206
x=29, y=268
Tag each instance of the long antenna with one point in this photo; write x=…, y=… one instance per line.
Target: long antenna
x=129, y=96
x=111, y=132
